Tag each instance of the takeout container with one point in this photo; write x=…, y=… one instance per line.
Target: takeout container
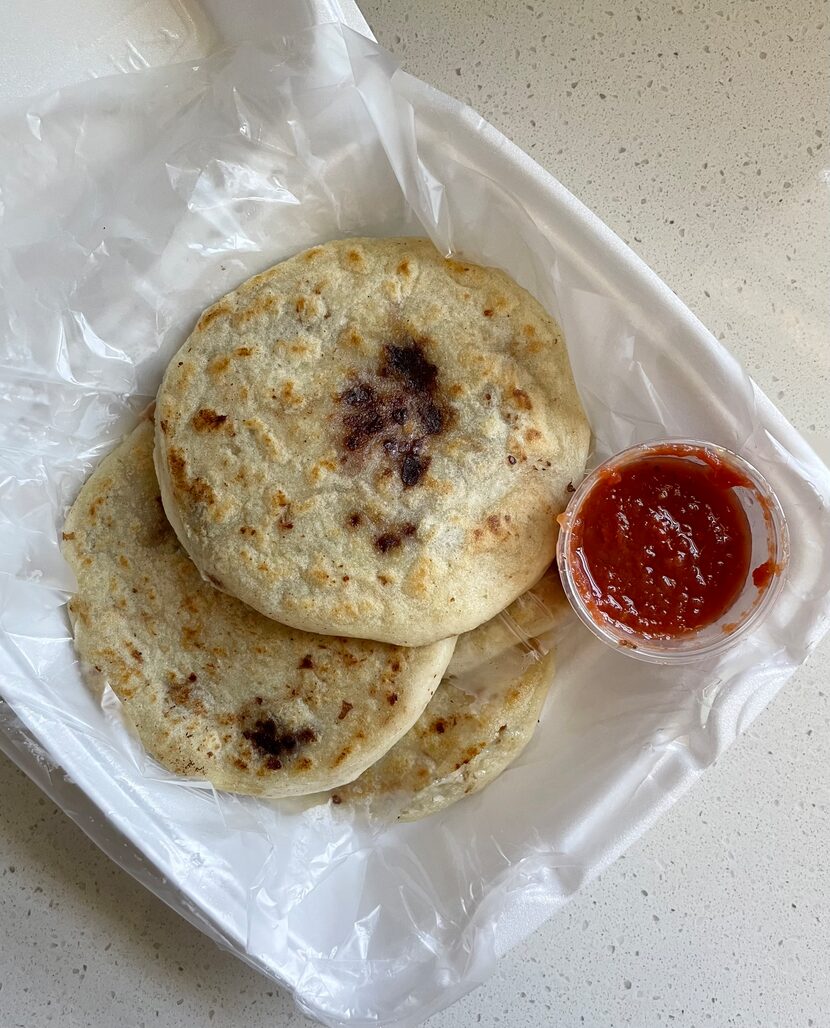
x=130, y=203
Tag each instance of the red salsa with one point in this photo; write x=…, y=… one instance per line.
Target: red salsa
x=662, y=544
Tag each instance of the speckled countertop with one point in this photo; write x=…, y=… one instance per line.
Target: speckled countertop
x=699, y=132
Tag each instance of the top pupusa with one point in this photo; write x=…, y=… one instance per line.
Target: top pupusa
x=370, y=440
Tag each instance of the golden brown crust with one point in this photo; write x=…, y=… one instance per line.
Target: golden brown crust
x=418, y=416
x=458, y=745
x=215, y=689
x=481, y=717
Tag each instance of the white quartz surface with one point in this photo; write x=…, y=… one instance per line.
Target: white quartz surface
x=699, y=132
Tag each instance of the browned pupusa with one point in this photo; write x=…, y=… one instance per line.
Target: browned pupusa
x=215, y=689
x=371, y=440
x=456, y=747
x=481, y=717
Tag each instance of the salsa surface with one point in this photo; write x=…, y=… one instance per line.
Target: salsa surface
x=662, y=544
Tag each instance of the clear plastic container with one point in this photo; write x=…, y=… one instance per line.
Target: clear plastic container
x=769, y=557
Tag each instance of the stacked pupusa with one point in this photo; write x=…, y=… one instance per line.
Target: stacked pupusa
x=359, y=455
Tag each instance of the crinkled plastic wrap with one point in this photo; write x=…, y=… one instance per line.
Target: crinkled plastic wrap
x=129, y=204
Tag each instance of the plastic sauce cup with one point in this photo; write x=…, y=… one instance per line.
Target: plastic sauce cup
x=748, y=499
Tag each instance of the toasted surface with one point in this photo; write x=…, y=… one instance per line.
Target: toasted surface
x=371, y=440
x=457, y=746
x=481, y=717
x=215, y=689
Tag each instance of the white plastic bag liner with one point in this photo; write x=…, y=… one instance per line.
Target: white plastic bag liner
x=126, y=206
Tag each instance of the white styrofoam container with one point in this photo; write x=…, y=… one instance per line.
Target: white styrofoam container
x=661, y=373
